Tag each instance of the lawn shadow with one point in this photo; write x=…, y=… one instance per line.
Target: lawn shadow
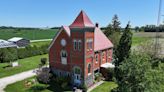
x=55, y=87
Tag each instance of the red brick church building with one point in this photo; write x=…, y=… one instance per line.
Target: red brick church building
x=80, y=50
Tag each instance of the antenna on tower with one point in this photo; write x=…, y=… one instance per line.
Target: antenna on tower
x=157, y=30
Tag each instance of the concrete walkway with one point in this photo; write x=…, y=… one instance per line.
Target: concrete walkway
x=41, y=40
x=94, y=86
x=14, y=78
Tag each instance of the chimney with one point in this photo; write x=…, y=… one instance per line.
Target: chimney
x=97, y=25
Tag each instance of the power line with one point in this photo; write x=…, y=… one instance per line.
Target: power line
x=157, y=30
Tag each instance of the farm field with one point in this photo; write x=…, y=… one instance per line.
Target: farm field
x=40, y=43
x=24, y=65
x=28, y=34
x=147, y=34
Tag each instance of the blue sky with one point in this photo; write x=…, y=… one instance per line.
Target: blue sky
x=42, y=13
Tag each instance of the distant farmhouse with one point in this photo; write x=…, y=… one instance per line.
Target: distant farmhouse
x=80, y=50
x=14, y=42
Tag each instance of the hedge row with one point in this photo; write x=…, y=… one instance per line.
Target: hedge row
x=12, y=54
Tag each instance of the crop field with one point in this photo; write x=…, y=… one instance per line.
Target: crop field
x=148, y=34
x=40, y=43
x=28, y=34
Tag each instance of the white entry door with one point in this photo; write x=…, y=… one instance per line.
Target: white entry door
x=77, y=76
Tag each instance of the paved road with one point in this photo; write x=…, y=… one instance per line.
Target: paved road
x=41, y=40
x=14, y=78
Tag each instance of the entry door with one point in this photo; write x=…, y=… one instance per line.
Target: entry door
x=77, y=76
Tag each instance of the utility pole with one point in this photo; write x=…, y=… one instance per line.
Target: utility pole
x=157, y=30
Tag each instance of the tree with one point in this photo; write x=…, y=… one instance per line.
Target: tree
x=123, y=50
x=113, y=30
x=116, y=24
x=139, y=76
x=136, y=29
x=43, y=75
x=124, y=46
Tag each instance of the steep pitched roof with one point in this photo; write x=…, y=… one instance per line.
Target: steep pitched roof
x=101, y=41
x=63, y=28
x=82, y=20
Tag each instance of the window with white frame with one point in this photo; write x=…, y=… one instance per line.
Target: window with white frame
x=109, y=54
x=89, y=44
x=63, y=55
x=89, y=69
x=96, y=57
x=103, y=55
x=75, y=45
x=79, y=45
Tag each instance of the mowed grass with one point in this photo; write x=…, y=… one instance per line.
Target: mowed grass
x=40, y=43
x=24, y=65
x=28, y=34
x=35, y=87
x=139, y=40
x=105, y=87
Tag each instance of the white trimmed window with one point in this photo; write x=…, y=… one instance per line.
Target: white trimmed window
x=63, y=55
x=89, y=44
x=89, y=69
x=96, y=57
x=75, y=45
x=103, y=55
x=109, y=54
x=79, y=45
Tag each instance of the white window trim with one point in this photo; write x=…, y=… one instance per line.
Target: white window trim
x=96, y=58
x=79, y=45
x=63, y=59
x=74, y=46
x=89, y=40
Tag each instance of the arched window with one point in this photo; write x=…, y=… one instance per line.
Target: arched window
x=89, y=68
x=63, y=55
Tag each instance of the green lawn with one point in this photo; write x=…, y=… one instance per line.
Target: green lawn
x=139, y=40
x=29, y=34
x=105, y=87
x=35, y=87
x=24, y=65
x=41, y=43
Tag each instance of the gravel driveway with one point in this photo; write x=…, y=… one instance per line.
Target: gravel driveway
x=14, y=78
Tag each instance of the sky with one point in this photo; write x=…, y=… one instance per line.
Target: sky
x=53, y=13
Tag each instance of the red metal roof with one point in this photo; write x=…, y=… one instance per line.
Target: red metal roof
x=67, y=29
x=82, y=20
x=101, y=41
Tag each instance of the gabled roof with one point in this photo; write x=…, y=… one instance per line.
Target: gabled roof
x=63, y=28
x=67, y=29
x=14, y=39
x=82, y=20
x=101, y=41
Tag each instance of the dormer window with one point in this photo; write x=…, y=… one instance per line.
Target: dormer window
x=63, y=55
